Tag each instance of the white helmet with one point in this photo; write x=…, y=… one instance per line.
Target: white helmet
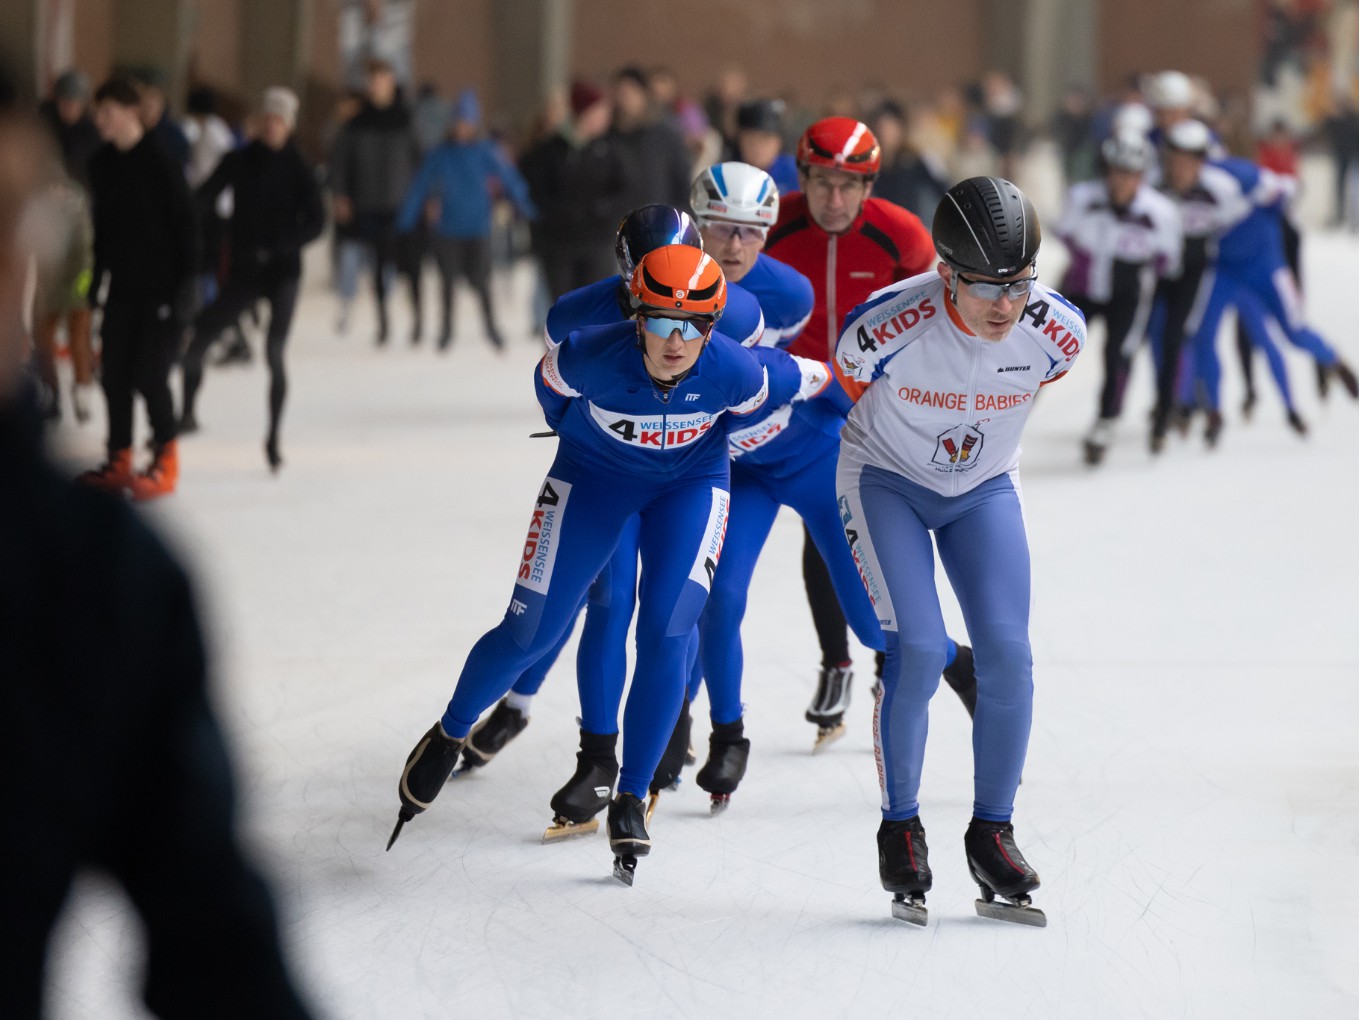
x=1189, y=136
x=1127, y=150
x=735, y=193
x=1170, y=90
x=1131, y=118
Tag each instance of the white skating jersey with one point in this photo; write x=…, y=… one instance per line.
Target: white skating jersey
x=935, y=402
x=1146, y=234
x=1212, y=206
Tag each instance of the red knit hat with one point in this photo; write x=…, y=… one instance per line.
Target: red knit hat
x=583, y=96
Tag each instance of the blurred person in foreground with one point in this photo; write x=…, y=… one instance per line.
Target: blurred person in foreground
x=112, y=758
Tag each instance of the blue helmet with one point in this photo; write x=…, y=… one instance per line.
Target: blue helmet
x=647, y=228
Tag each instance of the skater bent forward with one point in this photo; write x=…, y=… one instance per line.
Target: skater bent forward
x=945, y=367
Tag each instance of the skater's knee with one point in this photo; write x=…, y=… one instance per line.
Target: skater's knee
x=1004, y=668
x=917, y=665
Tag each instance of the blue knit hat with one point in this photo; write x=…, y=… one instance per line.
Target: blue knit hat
x=467, y=107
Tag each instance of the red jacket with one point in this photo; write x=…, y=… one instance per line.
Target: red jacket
x=885, y=244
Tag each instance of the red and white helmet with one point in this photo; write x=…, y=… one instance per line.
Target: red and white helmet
x=735, y=193
x=840, y=143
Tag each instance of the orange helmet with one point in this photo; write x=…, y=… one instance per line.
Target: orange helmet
x=679, y=278
x=840, y=143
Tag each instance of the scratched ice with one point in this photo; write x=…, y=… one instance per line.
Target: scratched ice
x=1189, y=799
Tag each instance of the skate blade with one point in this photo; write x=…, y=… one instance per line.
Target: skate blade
x=718, y=803
x=624, y=868
x=462, y=770
x=828, y=736
x=1016, y=914
x=403, y=816
x=911, y=911
x=652, y=802
x=559, y=831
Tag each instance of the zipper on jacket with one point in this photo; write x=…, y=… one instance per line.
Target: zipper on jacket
x=976, y=344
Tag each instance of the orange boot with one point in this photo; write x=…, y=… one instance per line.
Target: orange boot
x=160, y=476
x=114, y=475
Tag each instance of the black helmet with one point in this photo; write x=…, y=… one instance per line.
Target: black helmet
x=647, y=228
x=986, y=226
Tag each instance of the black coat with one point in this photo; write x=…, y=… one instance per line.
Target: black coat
x=111, y=758
x=145, y=229
x=578, y=189
x=276, y=209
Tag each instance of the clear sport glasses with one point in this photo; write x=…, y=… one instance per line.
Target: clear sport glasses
x=987, y=290
x=690, y=329
x=722, y=233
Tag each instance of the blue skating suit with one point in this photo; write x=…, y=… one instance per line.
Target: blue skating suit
x=1251, y=275
x=625, y=449
x=785, y=454
x=601, y=656
x=785, y=296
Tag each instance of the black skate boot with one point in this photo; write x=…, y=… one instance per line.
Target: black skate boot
x=999, y=869
x=1346, y=376
x=1296, y=423
x=903, y=868
x=489, y=737
x=960, y=677
x=829, y=704
x=727, y=754
x=667, y=776
x=587, y=792
x=427, y=769
x=627, y=835
x=1213, y=428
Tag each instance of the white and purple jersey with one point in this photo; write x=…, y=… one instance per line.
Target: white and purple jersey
x=936, y=403
x=595, y=391
x=1118, y=250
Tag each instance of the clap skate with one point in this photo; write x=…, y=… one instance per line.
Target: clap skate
x=1000, y=870
x=667, y=775
x=728, y=751
x=904, y=869
x=627, y=835
x=587, y=792
x=489, y=737
x=829, y=704
x=427, y=769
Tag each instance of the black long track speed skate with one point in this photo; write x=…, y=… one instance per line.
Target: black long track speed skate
x=427, y=769
x=904, y=868
x=628, y=835
x=1002, y=874
x=728, y=751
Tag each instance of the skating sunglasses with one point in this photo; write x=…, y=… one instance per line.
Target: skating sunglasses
x=690, y=329
x=722, y=233
x=988, y=290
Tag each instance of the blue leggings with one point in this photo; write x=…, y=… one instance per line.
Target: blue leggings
x=982, y=544
x=1268, y=304
x=601, y=659
x=577, y=519
x=756, y=499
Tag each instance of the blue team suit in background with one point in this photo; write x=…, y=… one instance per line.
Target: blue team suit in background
x=1251, y=275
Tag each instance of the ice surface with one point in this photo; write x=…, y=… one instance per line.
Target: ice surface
x=1189, y=799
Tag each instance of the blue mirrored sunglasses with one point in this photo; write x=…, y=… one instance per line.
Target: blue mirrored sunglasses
x=690, y=329
x=988, y=290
